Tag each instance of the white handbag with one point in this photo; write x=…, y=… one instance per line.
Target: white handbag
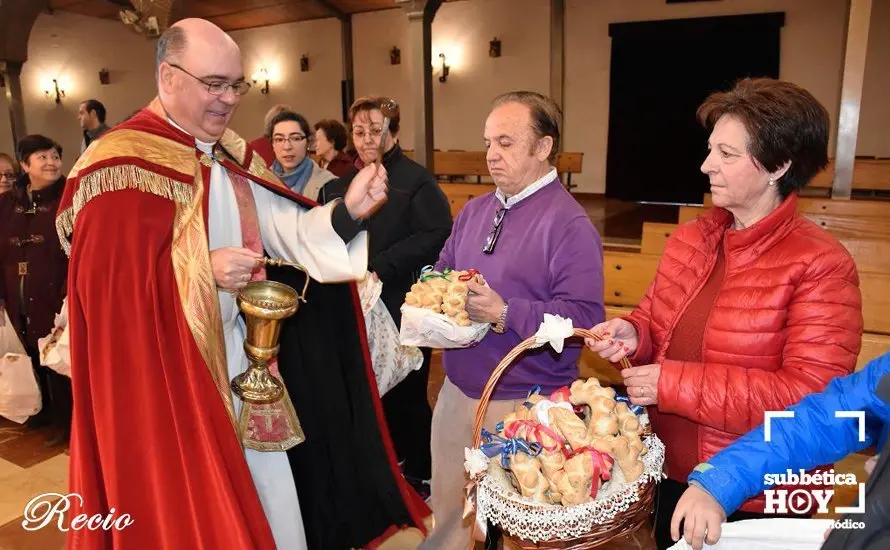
x=392, y=362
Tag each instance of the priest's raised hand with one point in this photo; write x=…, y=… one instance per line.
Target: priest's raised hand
x=367, y=192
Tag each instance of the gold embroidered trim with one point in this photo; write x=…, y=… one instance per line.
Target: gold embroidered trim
x=118, y=178
x=235, y=145
x=190, y=253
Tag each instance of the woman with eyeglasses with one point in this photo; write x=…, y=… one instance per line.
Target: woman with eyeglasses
x=406, y=234
x=290, y=135
x=35, y=269
x=7, y=173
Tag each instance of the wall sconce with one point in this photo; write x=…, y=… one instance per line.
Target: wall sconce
x=104, y=77
x=494, y=48
x=262, y=75
x=445, y=69
x=395, y=56
x=59, y=93
x=304, y=63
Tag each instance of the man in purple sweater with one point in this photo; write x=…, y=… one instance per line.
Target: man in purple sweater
x=539, y=253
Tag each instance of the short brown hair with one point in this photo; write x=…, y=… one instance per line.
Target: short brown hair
x=545, y=114
x=371, y=103
x=784, y=123
x=270, y=114
x=334, y=131
x=12, y=162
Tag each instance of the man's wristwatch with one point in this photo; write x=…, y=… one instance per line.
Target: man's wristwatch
x=501, y=325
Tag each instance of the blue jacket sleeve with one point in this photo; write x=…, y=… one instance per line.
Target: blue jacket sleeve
x=812, y=437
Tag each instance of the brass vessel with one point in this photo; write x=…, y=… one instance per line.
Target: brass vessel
x=265, y=304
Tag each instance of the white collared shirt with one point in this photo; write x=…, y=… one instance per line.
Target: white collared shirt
x=527, y=192
x=204, y=146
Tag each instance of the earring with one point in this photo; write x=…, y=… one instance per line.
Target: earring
x=772, y=181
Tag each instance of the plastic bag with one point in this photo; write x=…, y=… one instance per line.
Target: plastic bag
x=19, y=393
x=392, y=362
x=54, y=348
x=9, y=339
x=426, y=328
x=768, y=534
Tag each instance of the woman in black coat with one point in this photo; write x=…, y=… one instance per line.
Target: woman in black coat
x=406, y=234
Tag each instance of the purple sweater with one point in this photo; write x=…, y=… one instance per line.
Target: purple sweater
x=548, y=259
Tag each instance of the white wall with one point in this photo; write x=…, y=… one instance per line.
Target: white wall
x=76, y=47
x=73, y=49
x=461, y=30
x=315, y=94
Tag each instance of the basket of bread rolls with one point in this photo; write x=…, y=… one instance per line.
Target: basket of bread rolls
x=435, y=311
x=573, y=469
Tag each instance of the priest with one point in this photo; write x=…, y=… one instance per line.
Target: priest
x=165, y=219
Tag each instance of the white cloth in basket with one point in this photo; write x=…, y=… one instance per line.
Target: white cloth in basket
x=391, y=360
x=768, y=534
x=425, y=328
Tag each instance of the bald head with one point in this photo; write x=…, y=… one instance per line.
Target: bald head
x=190, y=35
x=195, y=60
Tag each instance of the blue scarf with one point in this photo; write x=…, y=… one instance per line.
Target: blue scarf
x=297, y=179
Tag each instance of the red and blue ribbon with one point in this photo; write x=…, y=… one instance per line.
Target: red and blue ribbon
x=636, y=409
x=496, y=445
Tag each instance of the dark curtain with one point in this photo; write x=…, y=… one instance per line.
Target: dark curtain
x=661, y=72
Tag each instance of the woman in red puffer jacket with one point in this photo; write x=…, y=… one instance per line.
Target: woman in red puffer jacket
x=752, y=306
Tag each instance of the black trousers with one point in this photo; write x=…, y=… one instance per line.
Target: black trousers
x=410, y=418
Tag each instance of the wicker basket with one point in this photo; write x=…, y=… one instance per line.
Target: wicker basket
x=631, y=518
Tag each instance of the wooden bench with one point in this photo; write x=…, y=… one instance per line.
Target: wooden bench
x=868, y=175
x=461, y=164
x=870, y=255
x=460, y=194
x=655, y=235
x=835, y=207
x=627, y=276
x=841, y=226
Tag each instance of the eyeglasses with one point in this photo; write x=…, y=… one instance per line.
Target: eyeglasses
x=492, y=239
x=293, y=140
x=359, y=133
x=8, y=175
x=218, y=87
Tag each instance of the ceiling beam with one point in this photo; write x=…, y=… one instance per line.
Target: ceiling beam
x=338, y=13
x=248, y=10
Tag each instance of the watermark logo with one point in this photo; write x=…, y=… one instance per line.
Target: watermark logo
x=802, y=500
x=47, y=508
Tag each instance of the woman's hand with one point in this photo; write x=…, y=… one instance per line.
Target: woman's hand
x=619, y=340
x=642, y=384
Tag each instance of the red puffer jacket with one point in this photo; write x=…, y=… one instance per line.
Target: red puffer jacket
x=787, y=319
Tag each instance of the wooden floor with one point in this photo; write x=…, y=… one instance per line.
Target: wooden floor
x=27, y=469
